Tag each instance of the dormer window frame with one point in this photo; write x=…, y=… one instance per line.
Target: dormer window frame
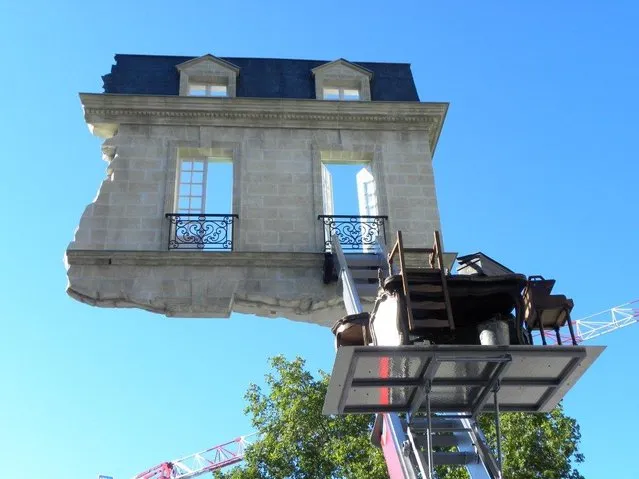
x=341, y=91
x=210, y=71
x=208, y=88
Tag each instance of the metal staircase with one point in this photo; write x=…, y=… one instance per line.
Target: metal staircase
x=414, y=445
x=454, y=441
x=362, y=270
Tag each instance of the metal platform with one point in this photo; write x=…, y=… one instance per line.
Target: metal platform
x=457, y=379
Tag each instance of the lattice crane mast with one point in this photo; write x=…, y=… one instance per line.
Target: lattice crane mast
x=607, y=321
x=209, y=460
x=603, y=322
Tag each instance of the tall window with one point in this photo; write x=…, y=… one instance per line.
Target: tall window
x=205, y=186
x=341, y=93
x=348, y=189
x=208, y=89
x=349, y=195
x=203, y=217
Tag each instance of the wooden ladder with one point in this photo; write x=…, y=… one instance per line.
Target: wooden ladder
x=425, y=289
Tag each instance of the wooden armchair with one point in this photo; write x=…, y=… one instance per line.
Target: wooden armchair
x=545, y=311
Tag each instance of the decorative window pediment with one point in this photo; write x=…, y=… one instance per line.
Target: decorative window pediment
x=208, y=76
x=342, y=80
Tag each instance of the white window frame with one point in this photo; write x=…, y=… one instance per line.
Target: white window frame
x=367, y=192
x=367, y=199
x=341, y=93
x=191, y=184
x=210, y=89
x=194, y=177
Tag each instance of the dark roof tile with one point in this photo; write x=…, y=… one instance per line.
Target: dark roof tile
x=258, y=78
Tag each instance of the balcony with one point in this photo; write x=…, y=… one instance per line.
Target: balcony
x=202, y=232
x=356, y=234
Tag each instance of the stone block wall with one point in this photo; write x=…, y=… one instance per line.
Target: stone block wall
x=277, y=185
x=119, y=256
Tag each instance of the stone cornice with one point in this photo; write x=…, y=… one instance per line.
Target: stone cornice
x=104, y=112
x=194, y=258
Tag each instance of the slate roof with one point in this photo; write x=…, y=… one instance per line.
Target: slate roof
x=258, y=77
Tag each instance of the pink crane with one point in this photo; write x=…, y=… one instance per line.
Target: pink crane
x=209, y=460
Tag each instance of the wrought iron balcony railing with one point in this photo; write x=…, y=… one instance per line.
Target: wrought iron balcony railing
x=209, y=232
x=356, y=234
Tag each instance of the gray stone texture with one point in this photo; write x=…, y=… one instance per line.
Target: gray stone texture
x=277, y=195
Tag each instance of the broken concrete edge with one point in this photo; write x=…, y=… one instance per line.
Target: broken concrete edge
x=111, y=302
x=295, y=310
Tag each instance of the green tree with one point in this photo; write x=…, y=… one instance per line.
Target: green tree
x=297, y=441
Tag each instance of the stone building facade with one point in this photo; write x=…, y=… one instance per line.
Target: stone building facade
x=277, y=123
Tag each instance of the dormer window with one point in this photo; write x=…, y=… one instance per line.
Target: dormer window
x=341, y=93
x=342, y=80
x=207, y=89
x=208, y=76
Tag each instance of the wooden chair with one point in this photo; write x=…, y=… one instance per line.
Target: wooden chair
x=545, y=311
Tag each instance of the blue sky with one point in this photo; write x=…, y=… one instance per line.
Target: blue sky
x=536, y=166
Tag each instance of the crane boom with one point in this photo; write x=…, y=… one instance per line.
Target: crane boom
x=209, y=460
x=607, y=321
x=600, y=323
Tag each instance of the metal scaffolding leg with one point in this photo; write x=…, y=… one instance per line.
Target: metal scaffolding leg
x=498, y=428
x=425, y=465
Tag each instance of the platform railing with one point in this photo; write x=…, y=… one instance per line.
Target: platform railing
x=202, y=232
x=356, y=234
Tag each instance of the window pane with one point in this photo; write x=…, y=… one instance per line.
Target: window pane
x=185, y=177
x=198, y=165
x=187, y=165
x=185, y=189
x=183, y=204
x=331, y=94
x=196, y=204
x=217, y=90
x=196, y=190
x=197, y=178
x=197, y=89
x=350, y=94
x=219, y=191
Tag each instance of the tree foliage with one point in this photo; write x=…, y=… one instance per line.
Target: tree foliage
x=534, y=446
x=297, y=441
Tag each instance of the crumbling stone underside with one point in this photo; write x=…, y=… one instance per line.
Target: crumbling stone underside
x=206, y=284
